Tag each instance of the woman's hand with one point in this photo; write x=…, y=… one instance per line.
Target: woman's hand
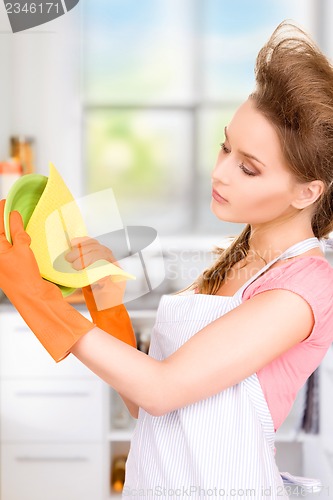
x=104, y=298
x=86, y=251
x=19, y=272
x=55, y=323
x=105, y=293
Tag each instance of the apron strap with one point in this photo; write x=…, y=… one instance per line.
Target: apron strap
x=293, y=251
x=301, y=247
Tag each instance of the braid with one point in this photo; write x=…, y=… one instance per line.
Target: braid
x=212, y=278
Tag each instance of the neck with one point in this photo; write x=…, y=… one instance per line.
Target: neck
x=270, y=241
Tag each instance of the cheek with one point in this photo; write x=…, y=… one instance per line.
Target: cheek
x=263, y=202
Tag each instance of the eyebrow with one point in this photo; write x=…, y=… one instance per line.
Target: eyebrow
x=248, y=155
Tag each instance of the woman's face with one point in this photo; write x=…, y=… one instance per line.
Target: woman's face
x=256, y=190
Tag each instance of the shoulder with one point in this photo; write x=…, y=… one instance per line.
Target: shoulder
x=311, y=278
x=303, y=271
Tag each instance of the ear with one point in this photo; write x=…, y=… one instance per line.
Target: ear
x=307, y=193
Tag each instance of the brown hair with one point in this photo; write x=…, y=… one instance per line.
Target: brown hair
x=294, y=91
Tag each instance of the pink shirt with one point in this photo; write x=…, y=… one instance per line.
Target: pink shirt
x=311, y=277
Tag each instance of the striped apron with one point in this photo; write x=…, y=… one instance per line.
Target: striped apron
x=220, y=447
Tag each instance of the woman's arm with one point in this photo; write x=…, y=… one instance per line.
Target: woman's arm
x=132, y=407
x=104, y=299
x=222, y=354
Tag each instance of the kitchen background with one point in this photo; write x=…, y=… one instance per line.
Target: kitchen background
x=132, y=96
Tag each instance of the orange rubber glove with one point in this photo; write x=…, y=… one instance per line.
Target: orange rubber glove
x=104, y=298
x=56, y=324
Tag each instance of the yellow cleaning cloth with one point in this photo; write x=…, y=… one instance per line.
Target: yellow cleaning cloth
x=55, y=221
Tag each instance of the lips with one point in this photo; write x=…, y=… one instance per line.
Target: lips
x=218, y=197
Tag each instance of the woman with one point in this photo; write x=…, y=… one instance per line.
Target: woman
x=229, y=355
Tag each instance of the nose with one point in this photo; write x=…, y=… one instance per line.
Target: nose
x=222, y=169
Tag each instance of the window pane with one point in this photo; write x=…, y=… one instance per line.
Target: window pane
x=233, y=33
x=211, y=123
x=144, y=156
x=146, y=64
x=138, y=51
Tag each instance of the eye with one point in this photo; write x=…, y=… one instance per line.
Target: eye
x=241, y=165
x=224, y=148
x=245, y=170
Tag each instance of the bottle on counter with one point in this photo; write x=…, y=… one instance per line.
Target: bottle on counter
x=118, y=473
x=21, y=148
x=10, y=171
x=144, y=340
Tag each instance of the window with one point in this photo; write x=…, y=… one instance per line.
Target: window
x=161, y=79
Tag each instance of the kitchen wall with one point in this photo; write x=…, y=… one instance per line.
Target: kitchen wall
x=46, y=87
x=40, y=92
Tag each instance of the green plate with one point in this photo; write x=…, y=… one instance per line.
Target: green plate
x=23, y=197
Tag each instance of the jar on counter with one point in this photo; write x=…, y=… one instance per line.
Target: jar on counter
x=21, y=148
x=118, y=473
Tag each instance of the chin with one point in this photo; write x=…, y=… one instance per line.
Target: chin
x=220, y=216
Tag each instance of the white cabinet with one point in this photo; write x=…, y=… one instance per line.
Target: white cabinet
x=119, y=436
x=61, y=427
x=22, y=355
x=120, y=424
x=53, y=429
x=51, y=411
x=52, y=472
